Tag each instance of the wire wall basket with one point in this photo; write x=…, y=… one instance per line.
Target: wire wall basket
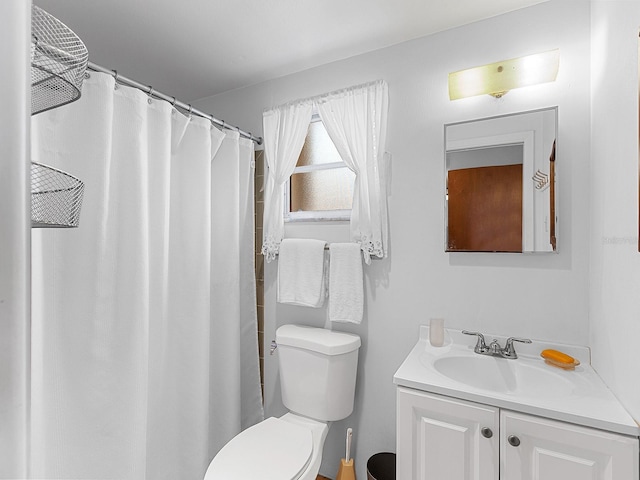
x=58, y=65
x=56, y=197
x=58, y=62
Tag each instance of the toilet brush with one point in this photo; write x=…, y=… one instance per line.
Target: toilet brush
x=346, y=470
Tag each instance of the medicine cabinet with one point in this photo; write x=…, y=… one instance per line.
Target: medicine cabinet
x=501, y=184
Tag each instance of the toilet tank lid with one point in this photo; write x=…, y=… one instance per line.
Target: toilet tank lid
x=319, y=340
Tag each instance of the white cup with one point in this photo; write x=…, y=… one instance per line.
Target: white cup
x=436, y=332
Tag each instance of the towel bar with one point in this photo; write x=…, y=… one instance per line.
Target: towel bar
x=326, y=247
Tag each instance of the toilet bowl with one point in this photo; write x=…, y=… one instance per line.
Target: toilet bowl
x=285, y=448
x=317, y=378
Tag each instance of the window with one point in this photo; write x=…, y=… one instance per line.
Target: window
x=321, y=186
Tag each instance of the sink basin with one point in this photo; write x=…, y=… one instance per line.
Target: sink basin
x=520, y=377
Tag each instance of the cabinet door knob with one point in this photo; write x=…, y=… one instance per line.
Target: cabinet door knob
x=513, y=440
x=486, y=432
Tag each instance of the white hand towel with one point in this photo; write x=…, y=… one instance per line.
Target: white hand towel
x=346, y=291
x=301, y=277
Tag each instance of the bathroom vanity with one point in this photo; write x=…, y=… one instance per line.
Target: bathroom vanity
x=464, y=416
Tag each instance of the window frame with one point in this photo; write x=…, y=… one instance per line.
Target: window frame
x=343, y=215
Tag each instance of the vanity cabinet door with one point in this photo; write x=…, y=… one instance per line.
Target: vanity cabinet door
x=542, y=449
x=442, y=438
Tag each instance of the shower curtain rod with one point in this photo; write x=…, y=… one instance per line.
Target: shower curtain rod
x=149, y=90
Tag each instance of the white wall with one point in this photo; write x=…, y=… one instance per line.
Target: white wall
x=15, y=231
x=615, y=261
x=542, y=296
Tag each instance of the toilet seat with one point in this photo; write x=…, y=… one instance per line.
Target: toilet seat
x=274, y=449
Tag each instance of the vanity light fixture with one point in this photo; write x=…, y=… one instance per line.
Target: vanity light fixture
x=498, y=78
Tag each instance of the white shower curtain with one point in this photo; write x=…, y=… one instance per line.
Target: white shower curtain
x=144, y=316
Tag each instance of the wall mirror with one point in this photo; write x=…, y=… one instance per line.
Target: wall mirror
x=500, y=183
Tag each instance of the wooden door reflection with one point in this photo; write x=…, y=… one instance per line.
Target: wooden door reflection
x=485, y=209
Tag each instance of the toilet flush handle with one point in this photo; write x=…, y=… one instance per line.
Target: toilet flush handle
x=274, y=345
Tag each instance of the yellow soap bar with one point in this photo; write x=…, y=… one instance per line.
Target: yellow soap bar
x=559, y=359
x=557, y=356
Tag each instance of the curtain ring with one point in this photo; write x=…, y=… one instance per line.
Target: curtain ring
x=150, y=93
x=190, y=109
x=115, y=76
x=173, y=106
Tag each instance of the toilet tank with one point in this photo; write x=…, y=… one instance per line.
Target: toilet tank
x=317, y=371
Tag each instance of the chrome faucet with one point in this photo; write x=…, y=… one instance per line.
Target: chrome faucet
x=494, y=348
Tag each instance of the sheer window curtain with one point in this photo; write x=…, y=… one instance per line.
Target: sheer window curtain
x=356, y=121
x=125, y=341
x=284, y=129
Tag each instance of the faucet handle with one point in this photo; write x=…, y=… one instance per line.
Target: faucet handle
x=509, y=350
x=481, y=346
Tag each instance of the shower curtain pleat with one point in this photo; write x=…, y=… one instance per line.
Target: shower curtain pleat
x=251, y=411
x=123, y=318
x=229, y=249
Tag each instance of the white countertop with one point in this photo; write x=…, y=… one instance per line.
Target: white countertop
x=587, y=400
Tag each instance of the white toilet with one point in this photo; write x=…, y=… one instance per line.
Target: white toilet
x=317, y=379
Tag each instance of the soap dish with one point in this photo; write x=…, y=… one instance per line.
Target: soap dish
x=563, y=365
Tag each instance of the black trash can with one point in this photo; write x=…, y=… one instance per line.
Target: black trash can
x=382, y=466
